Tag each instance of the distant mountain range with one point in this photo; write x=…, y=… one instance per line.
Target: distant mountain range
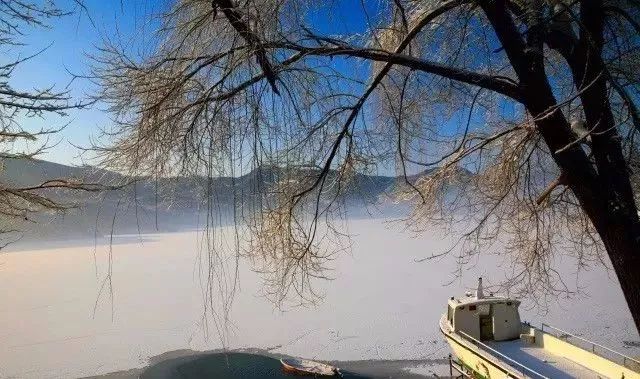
x=166, y=204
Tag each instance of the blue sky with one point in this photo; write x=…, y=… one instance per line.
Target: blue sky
x=69, y=40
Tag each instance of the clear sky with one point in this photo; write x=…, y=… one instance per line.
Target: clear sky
x=69, y=40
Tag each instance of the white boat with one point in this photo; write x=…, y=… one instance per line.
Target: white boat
x=489, y=341
x=307, y=367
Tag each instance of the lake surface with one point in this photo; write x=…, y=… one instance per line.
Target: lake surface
x=55, y=322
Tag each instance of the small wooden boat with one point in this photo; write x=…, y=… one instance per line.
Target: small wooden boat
x=489, y=341
x=306, y=367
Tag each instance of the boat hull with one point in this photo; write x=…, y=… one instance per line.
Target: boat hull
x=477, y=365
x=307, y=368
x=545, y=355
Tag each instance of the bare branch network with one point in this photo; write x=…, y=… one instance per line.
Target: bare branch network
x=18, y=203
x=522, y=112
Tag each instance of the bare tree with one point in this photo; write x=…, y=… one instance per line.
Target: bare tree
x=523, y=111
x=18, y=203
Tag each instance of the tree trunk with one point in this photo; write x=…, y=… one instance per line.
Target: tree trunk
x=604, y=194
x=617, y=221
x=623, y=246
x=610, y=208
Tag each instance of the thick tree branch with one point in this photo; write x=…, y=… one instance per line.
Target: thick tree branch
x=503, y=85
x=235, y=19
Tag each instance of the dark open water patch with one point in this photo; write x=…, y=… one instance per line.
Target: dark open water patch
x=256, y=363
x=228, y=366
x=245, y=365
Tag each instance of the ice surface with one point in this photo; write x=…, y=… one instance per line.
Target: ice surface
x=381, y=305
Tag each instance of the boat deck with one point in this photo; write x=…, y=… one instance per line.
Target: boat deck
x=542, y=361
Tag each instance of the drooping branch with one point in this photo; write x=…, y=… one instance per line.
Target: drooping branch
x=17, y=106
x=201, y=94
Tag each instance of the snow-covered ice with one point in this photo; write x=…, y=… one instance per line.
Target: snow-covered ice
x=381, y=305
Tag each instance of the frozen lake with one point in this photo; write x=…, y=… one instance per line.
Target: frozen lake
x=381, y=305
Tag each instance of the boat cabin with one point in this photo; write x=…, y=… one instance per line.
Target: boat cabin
x=490, y=318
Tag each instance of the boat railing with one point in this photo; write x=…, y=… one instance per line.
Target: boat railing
x=524, y=370
x=456, y=369
x=594, y=347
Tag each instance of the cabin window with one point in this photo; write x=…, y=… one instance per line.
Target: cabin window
x=472, y=307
